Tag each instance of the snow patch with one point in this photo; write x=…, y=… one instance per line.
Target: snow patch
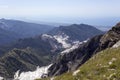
x=32, y=75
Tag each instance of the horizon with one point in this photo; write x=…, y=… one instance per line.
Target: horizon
x=93, y=12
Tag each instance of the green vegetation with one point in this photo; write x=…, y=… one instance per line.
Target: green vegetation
x=22, y=59
x=77, y=32
x=103, y=66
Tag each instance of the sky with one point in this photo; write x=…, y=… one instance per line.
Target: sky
x=62, y=11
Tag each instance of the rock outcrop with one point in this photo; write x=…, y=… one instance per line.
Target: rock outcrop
x=71, y=61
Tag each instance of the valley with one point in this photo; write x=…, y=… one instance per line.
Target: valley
x=26, y=53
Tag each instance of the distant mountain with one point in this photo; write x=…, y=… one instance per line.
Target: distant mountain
x=21, y=29
x=76, y=32
x=7, y=36
x=24, y=55
x=70, y=61
x=25, y=29
x=104, y=28
x=28, y=53
x=22, y=59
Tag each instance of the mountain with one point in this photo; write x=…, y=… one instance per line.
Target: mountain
x=104, y=28
x=79, y=32
x=60, y=40
x=21, y=29
x=74, y=59
x=22, y=59
x=28, y=53
x=110, y=38
x=25, y=55
x=103, y=66
x=7, y=36
x=25, y=29
x=69, y=59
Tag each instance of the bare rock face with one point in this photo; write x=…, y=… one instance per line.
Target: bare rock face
x=110, y=38
x=73, y=60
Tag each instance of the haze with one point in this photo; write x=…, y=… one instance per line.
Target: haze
x=95, y=12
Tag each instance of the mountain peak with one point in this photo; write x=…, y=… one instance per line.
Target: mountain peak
x=110, y=38
x=74, y=25
x=118, y=24
x=73, y=60
x=116, y=28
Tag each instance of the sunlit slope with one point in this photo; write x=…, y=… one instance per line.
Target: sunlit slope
x=103, y=66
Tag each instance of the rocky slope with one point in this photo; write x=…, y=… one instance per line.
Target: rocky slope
x=36, y=51
x=23, y=60
x=110, y=38
x=71, y=61
x=25, y=55
x=103, y=66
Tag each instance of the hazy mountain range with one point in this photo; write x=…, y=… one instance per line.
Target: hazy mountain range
x=40, y=48
x=97, y=58
x=67, y=48
x=14, y=29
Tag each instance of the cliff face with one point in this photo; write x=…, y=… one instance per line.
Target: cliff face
x=110, y=38
x=71, y=61
x=105, y=65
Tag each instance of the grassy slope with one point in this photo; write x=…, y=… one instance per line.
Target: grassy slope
x=103, y=66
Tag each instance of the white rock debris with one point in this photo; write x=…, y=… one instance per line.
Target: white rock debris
x=110, y=63
x=46, y=36
x=116, y=45
x=1, y=78
x=63, y=40
x=32, y=75
x=76, y=44
x=75, y=72
x=71, y=49
x=52, y=78
x=113, y=59
x=111, y=76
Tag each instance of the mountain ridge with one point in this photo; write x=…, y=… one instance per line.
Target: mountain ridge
x=103, y=66
x=21, y=29
x=85, y=30
x=43, y=48
x=79, y=56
